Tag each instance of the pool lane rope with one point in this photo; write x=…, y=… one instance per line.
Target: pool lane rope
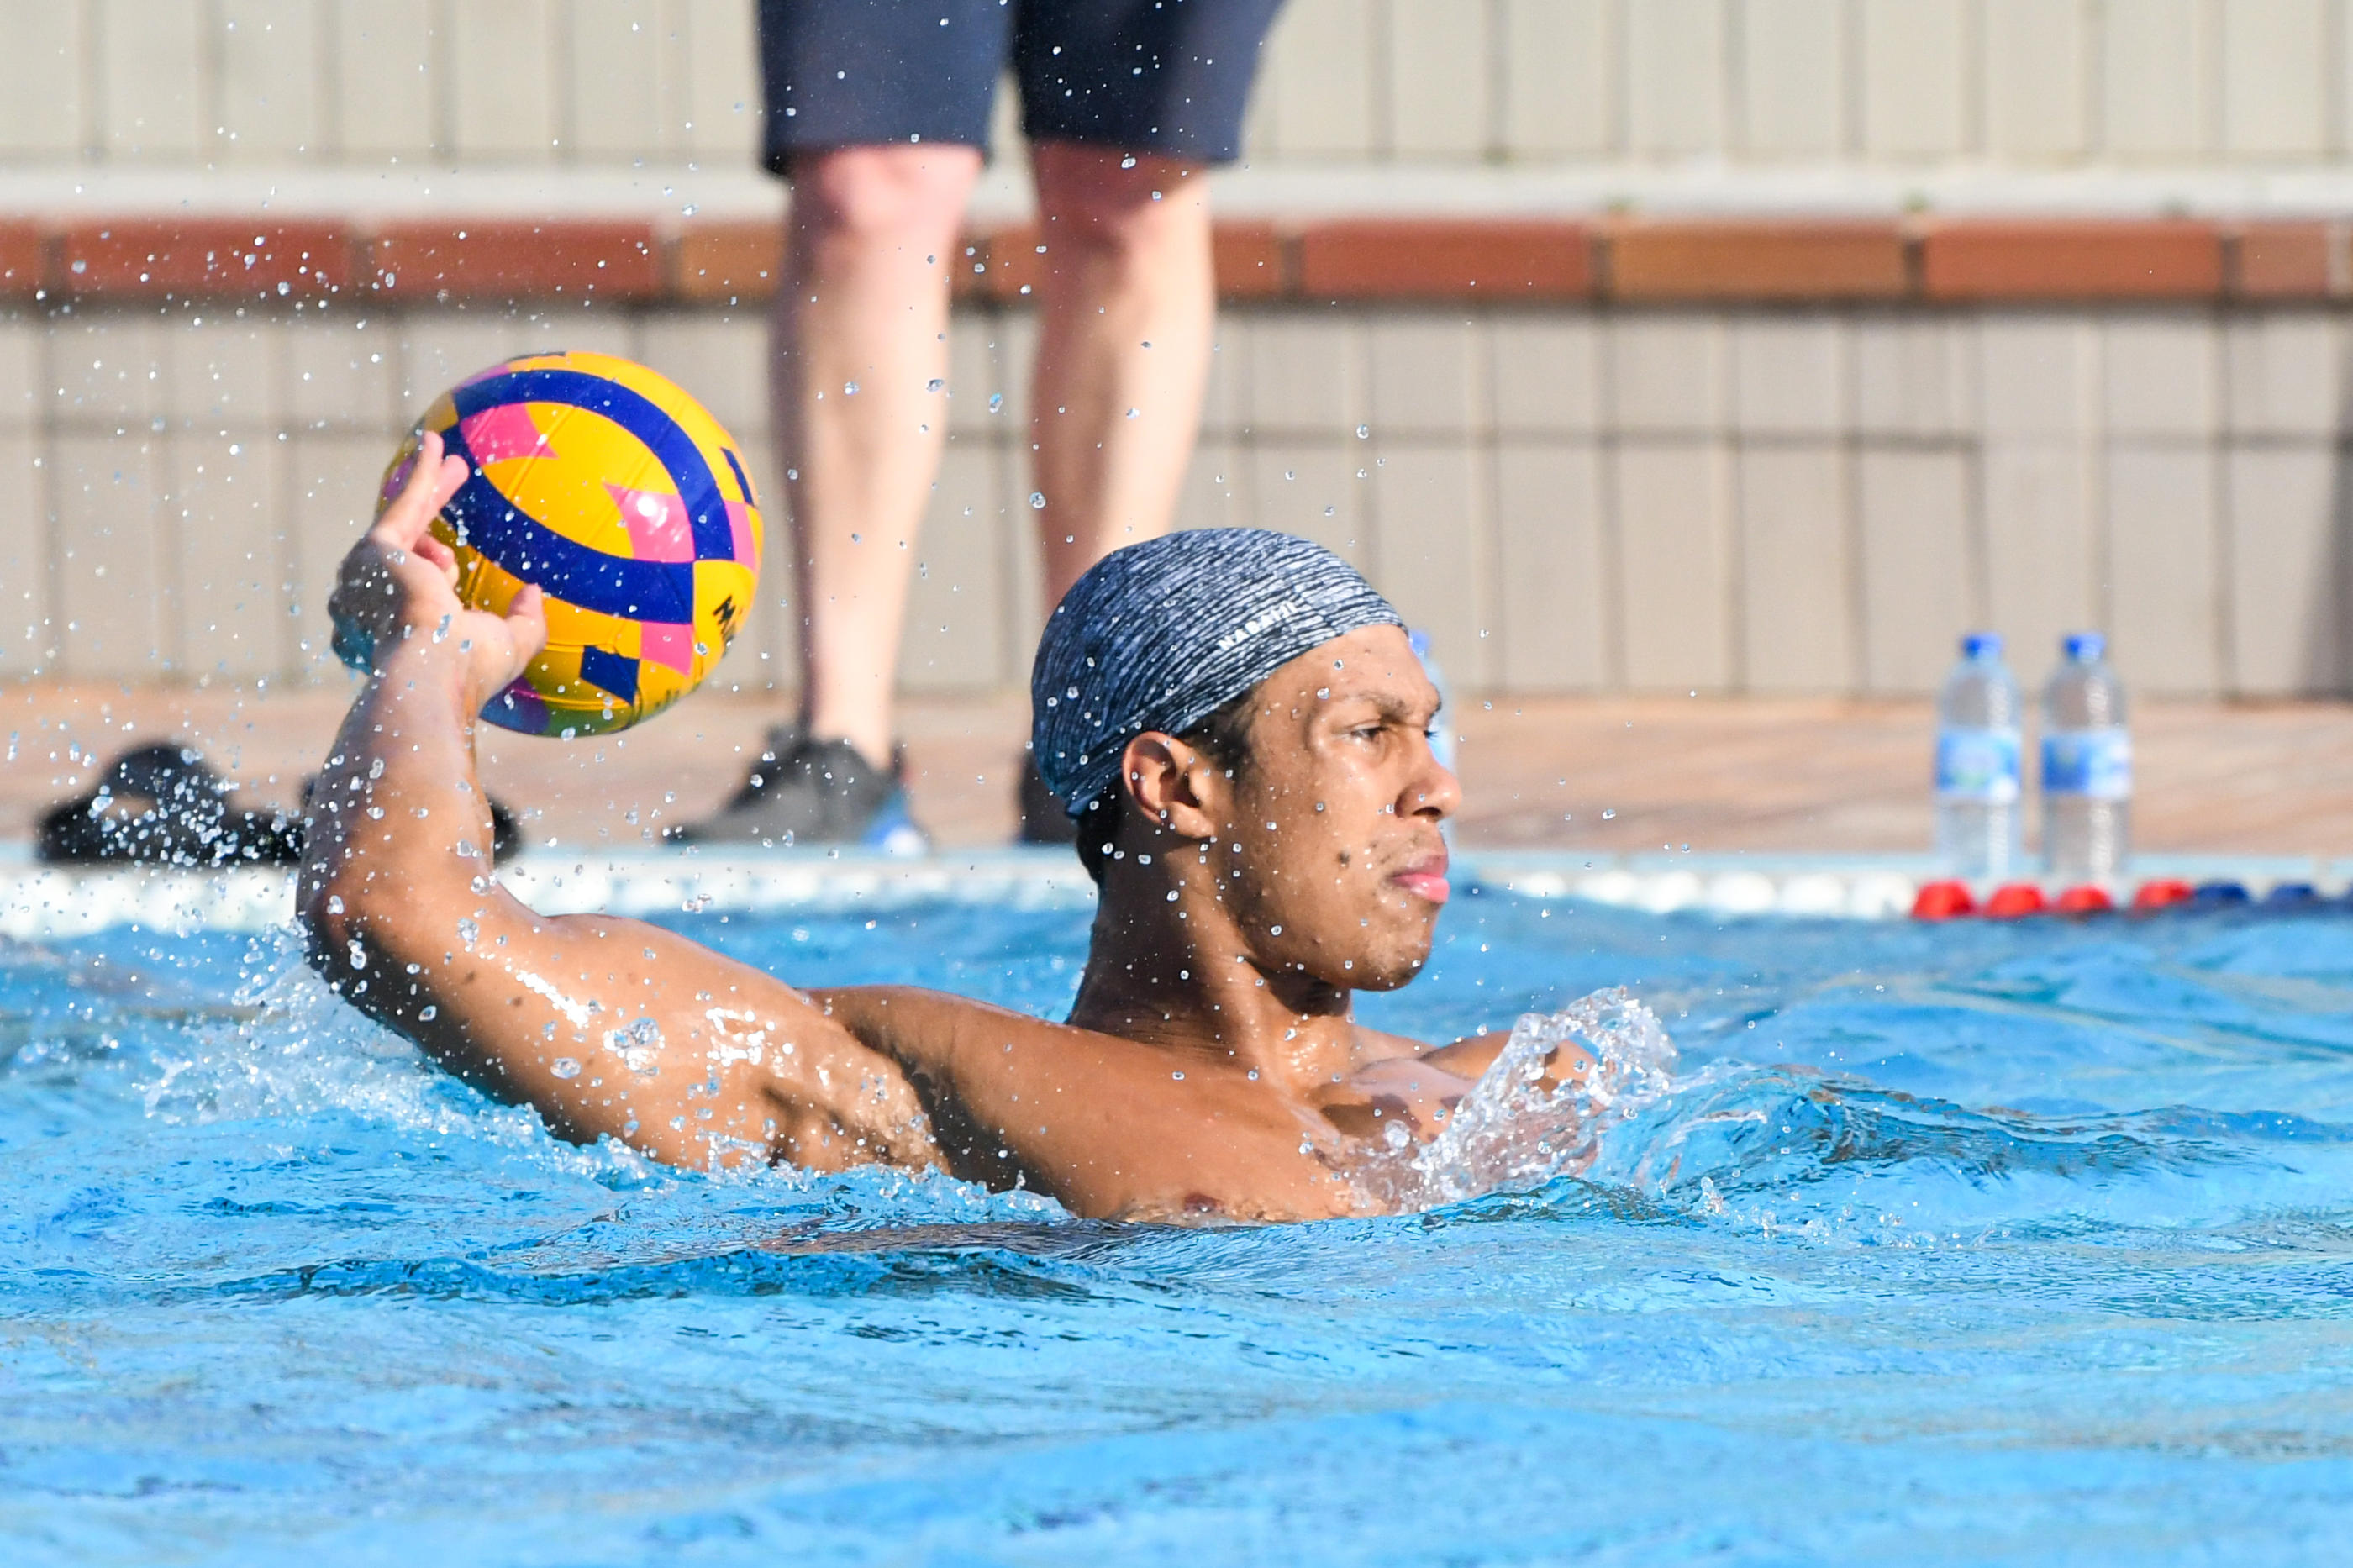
x=48, y=902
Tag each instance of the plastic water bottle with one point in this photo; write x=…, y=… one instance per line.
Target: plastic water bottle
x=2087, y=766
x=1978, y=739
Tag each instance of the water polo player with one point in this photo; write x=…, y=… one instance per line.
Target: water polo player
x=1244, y=729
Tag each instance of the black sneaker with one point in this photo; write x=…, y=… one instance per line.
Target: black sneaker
x=802, y=790
x=1043, y=820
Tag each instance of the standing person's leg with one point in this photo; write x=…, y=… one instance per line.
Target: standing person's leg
x=876, y=114
x=1126, y=103
x=859, y=347
x=1129, y=302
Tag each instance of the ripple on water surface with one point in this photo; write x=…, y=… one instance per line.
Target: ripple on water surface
x=2023, y=1243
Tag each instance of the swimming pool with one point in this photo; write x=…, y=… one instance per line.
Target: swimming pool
x=2021, y=1243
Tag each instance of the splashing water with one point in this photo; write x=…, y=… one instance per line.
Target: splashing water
x=1512, y=1130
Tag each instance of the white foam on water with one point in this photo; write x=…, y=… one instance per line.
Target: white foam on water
x=1512, y=1130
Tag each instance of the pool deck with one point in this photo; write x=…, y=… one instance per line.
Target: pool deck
x=1713, y=777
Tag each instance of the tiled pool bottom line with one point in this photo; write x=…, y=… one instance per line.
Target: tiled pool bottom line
x=38, y=902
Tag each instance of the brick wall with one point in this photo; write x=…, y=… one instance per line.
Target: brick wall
x=1576, y=497
x=1616, y=434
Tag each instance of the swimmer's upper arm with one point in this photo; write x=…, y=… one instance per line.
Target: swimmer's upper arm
x=612, y=1027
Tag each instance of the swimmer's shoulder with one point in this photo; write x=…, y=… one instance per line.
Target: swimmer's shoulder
x=935, y=1030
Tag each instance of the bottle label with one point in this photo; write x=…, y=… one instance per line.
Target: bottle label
x=1976, y=765
x=2094, y=763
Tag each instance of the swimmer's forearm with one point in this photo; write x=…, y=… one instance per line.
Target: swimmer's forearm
x=400, y=831
x=607, y=1028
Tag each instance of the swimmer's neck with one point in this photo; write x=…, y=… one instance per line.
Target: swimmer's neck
x=1179, y=974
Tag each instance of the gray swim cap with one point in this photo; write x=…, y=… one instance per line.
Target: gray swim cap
x=1159, y=636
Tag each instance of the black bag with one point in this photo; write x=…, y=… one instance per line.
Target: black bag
x=161, y=804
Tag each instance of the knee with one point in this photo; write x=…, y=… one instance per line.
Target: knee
x=882, y=192
x=1088, y=199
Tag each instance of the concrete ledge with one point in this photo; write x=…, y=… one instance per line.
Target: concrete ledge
x=1334, y=261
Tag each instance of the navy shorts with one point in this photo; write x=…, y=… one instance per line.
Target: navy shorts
x=1170, y=76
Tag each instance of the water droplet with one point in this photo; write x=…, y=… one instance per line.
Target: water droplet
x=848, y=389
x=995, y=402
x=1129, y=163
x=1609, y=814
x=1330, y=509
x=1036, y=501
x=1363, y=432
x=468, y=930
x=935, y=385
x=566, y=1068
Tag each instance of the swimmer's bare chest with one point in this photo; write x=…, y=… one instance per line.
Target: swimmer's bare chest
x=1109, y=1125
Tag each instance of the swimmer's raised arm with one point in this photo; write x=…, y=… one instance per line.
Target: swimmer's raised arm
x=607, y=1026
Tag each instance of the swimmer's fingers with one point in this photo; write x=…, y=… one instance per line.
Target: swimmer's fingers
x=440, y=556
x=433, y=479
x=527, y=625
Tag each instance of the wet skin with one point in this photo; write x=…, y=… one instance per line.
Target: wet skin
x=1209, y=1069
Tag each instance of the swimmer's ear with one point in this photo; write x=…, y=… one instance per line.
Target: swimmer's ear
x=1172, y=784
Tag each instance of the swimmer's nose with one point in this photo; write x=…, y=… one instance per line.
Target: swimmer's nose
x=1433, y=792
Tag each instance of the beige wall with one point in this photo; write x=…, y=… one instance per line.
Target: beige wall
x=2026, y=83
x=1575, y=500
x=1572, y=499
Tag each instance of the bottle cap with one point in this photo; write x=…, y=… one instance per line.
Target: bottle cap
x=1981, y=644
x=2083, y=648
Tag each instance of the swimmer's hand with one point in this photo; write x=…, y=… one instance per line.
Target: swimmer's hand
x=396, y=593
x=1470, y=1058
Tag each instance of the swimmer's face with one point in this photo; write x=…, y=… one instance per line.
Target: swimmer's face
x=1333, y=862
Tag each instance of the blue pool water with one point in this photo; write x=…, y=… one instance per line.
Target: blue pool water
x=2027, y=1242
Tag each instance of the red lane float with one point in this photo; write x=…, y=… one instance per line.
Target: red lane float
x=2162, y=893
x=2015, y=900
x=1951, y=899
x=1943, y=901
